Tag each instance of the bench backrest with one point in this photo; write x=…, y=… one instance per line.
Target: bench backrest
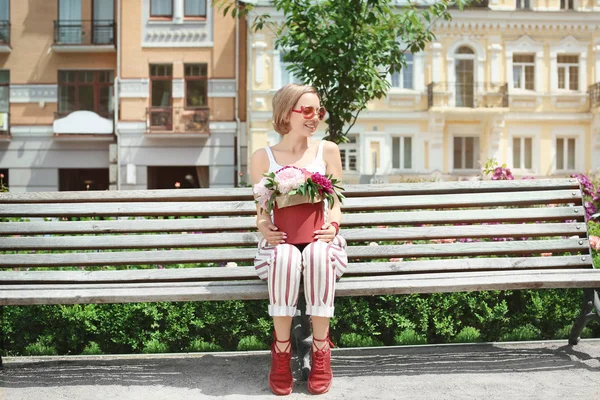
x=432, y=227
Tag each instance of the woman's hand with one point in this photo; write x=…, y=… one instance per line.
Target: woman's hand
x=326, y=234
x=271, y=234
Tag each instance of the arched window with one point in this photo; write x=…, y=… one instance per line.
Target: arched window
x=465, y=77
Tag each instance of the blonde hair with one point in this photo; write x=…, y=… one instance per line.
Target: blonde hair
x=284, y=101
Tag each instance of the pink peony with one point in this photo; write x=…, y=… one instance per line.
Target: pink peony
x=595, y=242
x=261, y=193
x=288, y=179
x=322, y=181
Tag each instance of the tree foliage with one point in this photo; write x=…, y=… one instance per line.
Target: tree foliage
x=346, y=48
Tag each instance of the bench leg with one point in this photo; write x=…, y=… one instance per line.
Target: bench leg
x=302, y=334
x=590, y=310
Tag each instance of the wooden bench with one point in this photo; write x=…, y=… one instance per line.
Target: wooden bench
x=406, y=221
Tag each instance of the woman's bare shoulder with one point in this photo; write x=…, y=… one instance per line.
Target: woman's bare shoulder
x=330, y=148
x=259, y=155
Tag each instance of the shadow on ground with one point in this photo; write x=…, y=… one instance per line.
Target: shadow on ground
x=235, y=373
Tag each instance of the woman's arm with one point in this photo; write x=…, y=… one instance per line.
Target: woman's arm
x=259, y=164
x=333, y=162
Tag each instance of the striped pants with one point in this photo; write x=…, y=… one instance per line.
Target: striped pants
x=283, y=266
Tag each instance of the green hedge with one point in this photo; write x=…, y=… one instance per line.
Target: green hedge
x=213, y=326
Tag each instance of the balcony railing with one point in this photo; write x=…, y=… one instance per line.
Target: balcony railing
x=178, y=120
x=594, y=91
x=84, y=32
x=5, y=32
x=469, y=95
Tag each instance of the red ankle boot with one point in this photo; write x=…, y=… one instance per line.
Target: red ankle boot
x=320, y=377
x=281, y=381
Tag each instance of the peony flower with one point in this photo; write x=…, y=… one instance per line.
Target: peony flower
x=231, y=264
x=396, y=259
x=323, y=182
x=546, y=254
x=261, y=193
x=595, y=242
x=288, y=179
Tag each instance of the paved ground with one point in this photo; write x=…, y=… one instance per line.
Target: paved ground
x=535, y=370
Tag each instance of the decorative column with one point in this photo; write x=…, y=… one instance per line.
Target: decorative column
x=553, y=72
x=259, y=75
x=494, y=137
x=418, y=72
x=495, y=51
x=436, y=143
x=436, y=53
x=595, y=128
x=597, y=52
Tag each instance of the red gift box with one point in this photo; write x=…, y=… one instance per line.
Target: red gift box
x=300, y=221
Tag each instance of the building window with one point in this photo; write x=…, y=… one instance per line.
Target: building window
x=403, y=79
x=196, y=88
x=522, y=153
x=524, y=71
x=161, y=8
x=4, y=22
x=177, y=177
x=349, y=154
x=85, y=90
x=402, y=152
x=523, y=5
x=568, y=72
x=4, y=179
x=565, y=154
x=4, y=92
x=195, y=8
x=287, y=77
x=567, y=4
x=161, y=82
x=82, y=179
x=161, y=95
x=465, y=77
x=466, y=152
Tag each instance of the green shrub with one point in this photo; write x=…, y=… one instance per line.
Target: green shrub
x=468, y=334
x=91, y=349
x=356, y=340
x=153, y=346
x=199, y=345
x=527, y=332
x=249, y=343
x=409, y=337
x=42, y=347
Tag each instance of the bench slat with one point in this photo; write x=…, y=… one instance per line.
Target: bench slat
x=241, y=194
x=242, y=273
x=253, y=290
x=350, y=220
x=468, y=200
x=238, y=255
x=252, y=238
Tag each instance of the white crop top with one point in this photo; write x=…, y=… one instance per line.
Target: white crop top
x=318, y=164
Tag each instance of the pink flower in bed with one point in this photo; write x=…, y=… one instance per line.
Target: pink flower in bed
x=595, y=242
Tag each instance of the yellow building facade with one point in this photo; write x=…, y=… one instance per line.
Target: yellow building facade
x=513, y=80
